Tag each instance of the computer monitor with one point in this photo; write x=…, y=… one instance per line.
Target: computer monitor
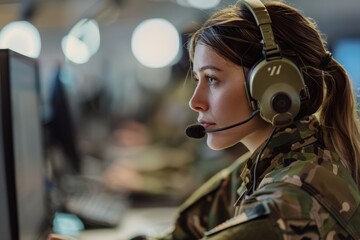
x=60, y=125
x=23, y=207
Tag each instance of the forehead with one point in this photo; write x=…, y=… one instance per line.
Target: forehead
x=205, y=55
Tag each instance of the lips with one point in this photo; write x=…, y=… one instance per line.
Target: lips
x=205, y=124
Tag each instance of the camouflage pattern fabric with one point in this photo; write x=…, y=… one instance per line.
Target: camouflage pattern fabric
x=302, y=191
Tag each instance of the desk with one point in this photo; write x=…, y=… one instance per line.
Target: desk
x=148, y=221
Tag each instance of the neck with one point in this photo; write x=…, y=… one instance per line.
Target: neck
x=255, y=139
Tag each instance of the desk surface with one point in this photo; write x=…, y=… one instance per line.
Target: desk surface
x=146, y=221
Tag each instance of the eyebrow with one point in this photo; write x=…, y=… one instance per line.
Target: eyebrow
x=203, y=68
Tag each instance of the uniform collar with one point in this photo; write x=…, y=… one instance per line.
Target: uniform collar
x=291, y=138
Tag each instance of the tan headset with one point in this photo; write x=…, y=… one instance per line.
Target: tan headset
x=275, y=85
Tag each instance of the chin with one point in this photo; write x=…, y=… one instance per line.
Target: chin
x=217, y=144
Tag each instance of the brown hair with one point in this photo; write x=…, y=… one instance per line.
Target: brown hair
x=232, y=32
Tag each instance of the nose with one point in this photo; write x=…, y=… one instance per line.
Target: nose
x=198, y=102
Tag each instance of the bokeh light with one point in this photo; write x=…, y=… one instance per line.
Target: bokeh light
x=155, y=43
x=22, y=37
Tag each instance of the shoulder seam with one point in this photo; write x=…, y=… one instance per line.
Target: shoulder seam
x=213, y=183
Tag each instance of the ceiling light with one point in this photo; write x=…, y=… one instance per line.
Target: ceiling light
x=22, y=37
x=82, y=41
x=200, y=4
x=155, y=43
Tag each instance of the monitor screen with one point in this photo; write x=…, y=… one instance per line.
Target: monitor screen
x=22, y=153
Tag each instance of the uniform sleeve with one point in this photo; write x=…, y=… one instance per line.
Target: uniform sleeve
x=261, y=228
x=279, y=212
x=254, y=221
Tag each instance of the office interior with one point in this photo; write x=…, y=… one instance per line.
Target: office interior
x=114, y=105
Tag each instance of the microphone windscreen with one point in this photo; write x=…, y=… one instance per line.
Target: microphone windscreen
x=195, y=131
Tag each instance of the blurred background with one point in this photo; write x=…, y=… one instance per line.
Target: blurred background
x=114, y=90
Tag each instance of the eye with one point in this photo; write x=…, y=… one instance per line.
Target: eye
x=211, y=79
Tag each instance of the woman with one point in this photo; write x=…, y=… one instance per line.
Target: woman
x=299, y=180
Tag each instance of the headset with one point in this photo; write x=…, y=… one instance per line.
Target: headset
x=274, y=85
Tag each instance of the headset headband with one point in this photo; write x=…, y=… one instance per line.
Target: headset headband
x=263, y=21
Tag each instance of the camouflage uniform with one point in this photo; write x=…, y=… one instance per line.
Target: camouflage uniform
x=302, y=192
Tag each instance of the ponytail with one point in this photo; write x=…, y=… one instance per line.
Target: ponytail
x=339, y=119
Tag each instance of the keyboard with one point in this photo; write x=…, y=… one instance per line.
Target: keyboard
x=93, y=204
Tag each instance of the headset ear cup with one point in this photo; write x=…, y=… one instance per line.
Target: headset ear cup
x=276, y=86
x=279, y=104
x=252, y=102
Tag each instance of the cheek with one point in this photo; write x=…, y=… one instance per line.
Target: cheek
x=232, y=105
x=232, y=108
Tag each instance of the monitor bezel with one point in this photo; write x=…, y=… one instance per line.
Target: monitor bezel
x=7, y=139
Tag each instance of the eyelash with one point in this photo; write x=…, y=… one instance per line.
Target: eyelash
x=211, y=79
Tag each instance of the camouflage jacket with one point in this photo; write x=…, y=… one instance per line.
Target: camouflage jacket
x=302, y=191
